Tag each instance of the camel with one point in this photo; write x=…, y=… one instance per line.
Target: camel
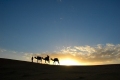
x=46, y=59
x=39, y=58
x=55, y=60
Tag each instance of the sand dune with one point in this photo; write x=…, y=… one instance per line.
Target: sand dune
x=22, y=70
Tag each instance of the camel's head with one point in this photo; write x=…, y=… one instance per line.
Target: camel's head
x=51, y=59
x=35, y=57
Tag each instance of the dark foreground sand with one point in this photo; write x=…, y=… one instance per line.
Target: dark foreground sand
x=21, y=70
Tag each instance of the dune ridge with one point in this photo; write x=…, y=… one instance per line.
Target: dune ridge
x=23, y=70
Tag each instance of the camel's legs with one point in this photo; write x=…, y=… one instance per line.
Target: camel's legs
x=58, y=62
x=41, y=61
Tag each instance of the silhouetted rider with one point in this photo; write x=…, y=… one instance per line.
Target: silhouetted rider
x=47, y=56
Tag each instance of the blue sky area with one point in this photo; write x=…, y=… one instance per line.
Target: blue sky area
x=46, y=25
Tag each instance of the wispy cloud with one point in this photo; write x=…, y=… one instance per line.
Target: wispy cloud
x=2, y=50
x=12, y=54
x=98, y=53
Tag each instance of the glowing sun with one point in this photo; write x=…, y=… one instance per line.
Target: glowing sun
x=69, y=61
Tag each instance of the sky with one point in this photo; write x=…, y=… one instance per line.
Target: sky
x=83, y=30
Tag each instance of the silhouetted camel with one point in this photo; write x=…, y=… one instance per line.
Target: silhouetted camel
x=38, y=58
x=55, y=60
x=46, y=59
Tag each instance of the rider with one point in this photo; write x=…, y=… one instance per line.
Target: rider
x=47, y=56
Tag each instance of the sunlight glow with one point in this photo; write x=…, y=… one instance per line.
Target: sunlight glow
x=69, y=61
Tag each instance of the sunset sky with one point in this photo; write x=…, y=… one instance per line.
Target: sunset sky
x=85, y=31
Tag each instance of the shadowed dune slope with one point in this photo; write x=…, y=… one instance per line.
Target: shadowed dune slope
x=22, y=70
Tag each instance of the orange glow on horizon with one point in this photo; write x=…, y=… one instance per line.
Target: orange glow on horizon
x=69, y=61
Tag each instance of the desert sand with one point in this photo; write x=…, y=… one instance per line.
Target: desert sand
x=22, y=70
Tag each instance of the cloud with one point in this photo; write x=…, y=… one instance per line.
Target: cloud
x=2, y=50
x=12, y=54
x=97, y=53
x=108, y=53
